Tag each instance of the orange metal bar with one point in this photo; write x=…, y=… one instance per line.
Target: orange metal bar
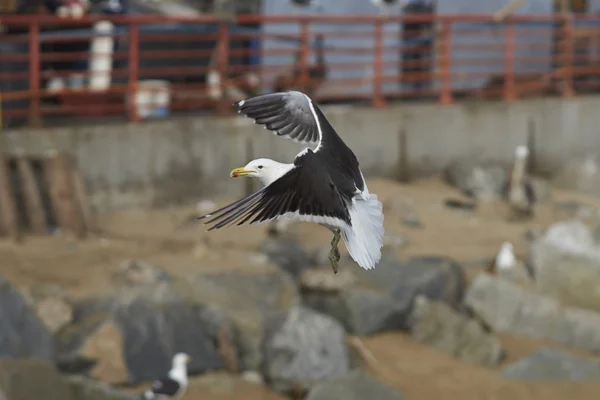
x=304, y=51
x=223, y=108
x=378, y=100
x=510, y=93
x=134, y=43
x=34, y=74
x=567, y=56
x=445, y=64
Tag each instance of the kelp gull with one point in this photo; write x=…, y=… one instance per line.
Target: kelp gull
x=325, y=186
x=174, y=384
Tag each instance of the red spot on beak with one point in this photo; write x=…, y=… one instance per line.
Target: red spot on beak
x=235, y=175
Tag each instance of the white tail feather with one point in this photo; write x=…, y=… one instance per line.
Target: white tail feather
x=365, y=238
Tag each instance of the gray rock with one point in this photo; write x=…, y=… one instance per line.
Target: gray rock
x=287, y=254
x=30, y=379
x=248, y=298
x=83, y=388
x=137, y=272
x=381, y=299
x=511, y=308
x=581, y=174
x=566, y=264
x=357, y=385
x=133, y=334
x=303, y=348
x=441, y=327
x=22, y=334
x=51, y=305
x=552, y=365
x=483, y=180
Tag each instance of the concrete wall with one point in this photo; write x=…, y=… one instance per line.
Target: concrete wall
x=182, y=159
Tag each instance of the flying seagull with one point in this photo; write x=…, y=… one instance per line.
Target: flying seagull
x=325, y=185
x=174, y=384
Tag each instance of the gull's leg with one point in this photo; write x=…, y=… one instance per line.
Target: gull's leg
x=334, y=254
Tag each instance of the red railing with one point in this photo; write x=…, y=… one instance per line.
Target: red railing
x=45, y=61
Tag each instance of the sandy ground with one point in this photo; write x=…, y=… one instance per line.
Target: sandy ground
x=85, y=267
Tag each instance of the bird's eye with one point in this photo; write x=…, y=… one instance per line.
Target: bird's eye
x=260, y=167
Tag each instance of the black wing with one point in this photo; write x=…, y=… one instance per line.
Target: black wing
x=165, y=386
x=305, y=189
x=293, y=115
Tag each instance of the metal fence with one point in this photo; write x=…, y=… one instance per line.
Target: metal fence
x=139, y=67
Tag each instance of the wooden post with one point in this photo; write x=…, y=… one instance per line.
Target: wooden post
x=58, y=170
x=32, y=195
x=8, y=208
x=81, y=198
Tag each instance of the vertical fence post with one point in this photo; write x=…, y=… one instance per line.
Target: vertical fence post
x=134, y=45
x=34, y=73
x=378, y=100
x=510, y=93
x=223, y=107
x=305, y=55
x=445, y=63
x=568, y=55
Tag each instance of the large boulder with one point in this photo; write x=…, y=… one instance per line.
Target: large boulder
x=133, y=333
x=483, y=180
x=511, y=308
x=303, y=348
x=566, y=264
x=368, y=302
x=248, y=298
x=357, y=385
x=553, y=365
x=443, y=328
x=287, y=254
x=29, y=379
x=22, y=333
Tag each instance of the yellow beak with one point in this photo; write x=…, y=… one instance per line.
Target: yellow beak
x=240, y=172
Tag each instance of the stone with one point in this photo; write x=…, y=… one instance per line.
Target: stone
x=133, y=333
x=381, y=299
x=581, y=174
x=510, y=308
x=51, y=305
x=566, y=264
x=303, y=348
x=23, y=334
x=357, y=385
x=83, y=388
x=24, y=379
x=443, y=328
x=483, y=180
x=247, y=299
x=553, y=365
x=136, y=272
x=287, y=254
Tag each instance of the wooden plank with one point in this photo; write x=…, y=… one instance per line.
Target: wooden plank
x=59, y=179
x=33, y=197
x=8, y=208
x=81, y=198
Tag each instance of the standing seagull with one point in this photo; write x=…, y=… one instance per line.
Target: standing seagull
x=324, y=186
x=174, y=384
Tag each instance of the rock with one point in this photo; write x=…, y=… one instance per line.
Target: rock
x=441, y=327
x=511, y=308
x=411, y=219
x=287, y=254
x=357, y=385
x=51, y=305
x=247, y=298
x=581, y=174
x=566, y=264
x=303, y=348
x=25, y=379
x=23, y=334
x=381, y=299
x=133, y=334
x=483, y=180
x=83, y=388
x=136, y=272
x=552, y=365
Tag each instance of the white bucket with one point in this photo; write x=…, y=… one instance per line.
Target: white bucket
x=153, y=98
x=101, y=60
